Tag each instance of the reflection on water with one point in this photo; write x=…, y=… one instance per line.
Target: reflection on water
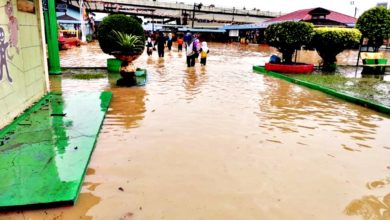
x=370, y=208
x=193, y=81
x=222, y=142
x=293, y=109
x=127, y=108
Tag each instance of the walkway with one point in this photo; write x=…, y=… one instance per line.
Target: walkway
x=221, y=142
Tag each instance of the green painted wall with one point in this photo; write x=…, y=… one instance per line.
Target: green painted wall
x=24, y=59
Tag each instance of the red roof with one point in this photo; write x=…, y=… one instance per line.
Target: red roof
x=303, y=15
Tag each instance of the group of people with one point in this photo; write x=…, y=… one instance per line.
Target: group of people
x=191, y=43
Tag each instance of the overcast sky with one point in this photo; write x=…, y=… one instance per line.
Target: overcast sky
x=286, y=6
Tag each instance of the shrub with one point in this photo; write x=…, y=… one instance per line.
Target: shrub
x=331, y=41
x=288, y=37
x=375, y=25
x=128, y=25
x=89, y=37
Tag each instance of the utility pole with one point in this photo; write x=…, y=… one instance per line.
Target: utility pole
x=152, y=21
x=353, y=3
x=233, y=15
x=193, y=16
x=199, y=6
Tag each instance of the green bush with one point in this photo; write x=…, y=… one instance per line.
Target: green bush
x=288, y=37
x=89, y=37
x=331, y=41
x=375, y=25
x=120, y=23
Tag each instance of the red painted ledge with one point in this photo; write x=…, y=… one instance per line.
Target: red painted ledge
x=289, y=68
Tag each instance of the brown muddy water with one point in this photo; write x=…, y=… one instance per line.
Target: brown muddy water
x=222, y=142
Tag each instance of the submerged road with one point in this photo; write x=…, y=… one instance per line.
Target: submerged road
x=222, y=142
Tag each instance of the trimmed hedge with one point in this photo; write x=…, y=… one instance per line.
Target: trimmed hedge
x=331, y=41
x=288, y=37
x=375, y=25
x=121, y=23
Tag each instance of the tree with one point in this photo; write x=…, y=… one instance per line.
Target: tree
x=375, y=25
x=331, y=41
x=128, y=25
x=288, y=37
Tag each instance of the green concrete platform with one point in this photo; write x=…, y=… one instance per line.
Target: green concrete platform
x=45, y=152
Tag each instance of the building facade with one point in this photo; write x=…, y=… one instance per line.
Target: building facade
x=23, y=71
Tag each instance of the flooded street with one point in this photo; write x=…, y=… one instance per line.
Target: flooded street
x=221, y=142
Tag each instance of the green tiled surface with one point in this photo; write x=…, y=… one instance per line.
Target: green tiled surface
x=45, y=152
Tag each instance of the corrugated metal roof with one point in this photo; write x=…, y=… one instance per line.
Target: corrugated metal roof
x=303, y=15
x=300, y=15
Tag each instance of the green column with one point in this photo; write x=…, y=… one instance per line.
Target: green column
x=52, y=38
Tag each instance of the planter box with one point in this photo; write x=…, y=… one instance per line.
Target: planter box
x=374, y=61
x=382, y=61
x=369, y=61
x=113, y=65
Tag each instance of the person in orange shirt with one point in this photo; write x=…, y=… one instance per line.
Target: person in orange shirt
x=180, y=43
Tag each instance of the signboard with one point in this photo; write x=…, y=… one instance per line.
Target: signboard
x=233, y=33
x=26, y=6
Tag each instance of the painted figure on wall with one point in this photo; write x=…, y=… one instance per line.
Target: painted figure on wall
x=3, y=59
x=13, y=28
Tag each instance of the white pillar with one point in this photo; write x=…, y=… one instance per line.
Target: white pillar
x=44, y=47
x=82, y=22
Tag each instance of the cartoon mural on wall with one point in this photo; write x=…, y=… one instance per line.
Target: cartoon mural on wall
x=3, y=59
x=13, y=29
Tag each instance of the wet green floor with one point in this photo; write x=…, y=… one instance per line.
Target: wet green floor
x=43, y=157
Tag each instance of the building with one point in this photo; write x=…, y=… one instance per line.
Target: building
x=254, y=33
x=316, y=16
x=383, y=4
x=23, y=71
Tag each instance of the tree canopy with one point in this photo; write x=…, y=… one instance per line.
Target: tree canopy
x=331, y=41
x=375, y=25
x=128, y=25
x=288, y=37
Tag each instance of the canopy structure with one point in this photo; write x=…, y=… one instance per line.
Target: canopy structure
x=201, y=30
x=317, y=16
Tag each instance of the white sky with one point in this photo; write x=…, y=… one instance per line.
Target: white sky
x=286, y=6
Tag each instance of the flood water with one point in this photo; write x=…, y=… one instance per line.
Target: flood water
x=222, y=142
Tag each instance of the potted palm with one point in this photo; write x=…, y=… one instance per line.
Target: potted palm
x=123, y=37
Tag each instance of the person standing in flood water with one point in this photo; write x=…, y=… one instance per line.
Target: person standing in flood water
x=149, y=46
x=160, y=41
x=204, y=50
x=190, y=50
x=180, y=42
x=170, y=41
x=196, y=45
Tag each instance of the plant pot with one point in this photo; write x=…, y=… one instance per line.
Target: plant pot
x=113, y=65
x=125, y=57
